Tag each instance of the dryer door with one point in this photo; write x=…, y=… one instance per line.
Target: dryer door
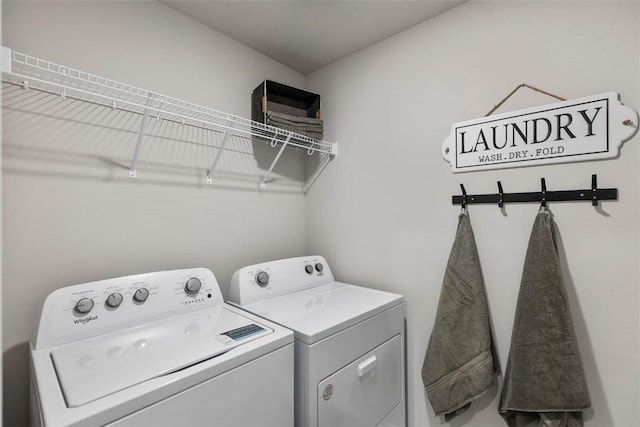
x=365, y=391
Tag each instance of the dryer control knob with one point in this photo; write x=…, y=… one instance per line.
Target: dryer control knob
x=262, y=278
x=192, y=286
x=308, y=268
x=83, y=306
x=114, y=300
x=141, y=295
x=319, y=267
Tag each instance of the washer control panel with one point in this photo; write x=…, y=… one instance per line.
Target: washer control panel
x=81, y=311
x=271, y=279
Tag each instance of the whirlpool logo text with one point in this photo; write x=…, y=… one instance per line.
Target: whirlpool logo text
x=85, y=320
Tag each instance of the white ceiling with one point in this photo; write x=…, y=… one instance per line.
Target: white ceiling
x=308, y=34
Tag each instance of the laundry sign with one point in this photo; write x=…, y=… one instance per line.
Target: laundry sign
x=581, y=129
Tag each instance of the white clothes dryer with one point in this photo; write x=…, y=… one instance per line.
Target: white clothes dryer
x=349, y=341
x=158, y=349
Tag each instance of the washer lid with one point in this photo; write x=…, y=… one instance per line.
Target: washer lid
x=316, y=313
x=96, y=367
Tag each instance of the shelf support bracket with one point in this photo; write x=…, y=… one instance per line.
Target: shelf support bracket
x=323, y=164
x=143, y=127
x=263, y=184
x=225, y=138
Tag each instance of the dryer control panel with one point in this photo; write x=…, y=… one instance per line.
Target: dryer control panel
x=268, y=280
x=82, y=311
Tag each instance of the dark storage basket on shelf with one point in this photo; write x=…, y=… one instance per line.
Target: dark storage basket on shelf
x=278, y=97
x=273, y=98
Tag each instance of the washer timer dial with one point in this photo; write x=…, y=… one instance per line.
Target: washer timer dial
x=192, y=286
x=262, y=279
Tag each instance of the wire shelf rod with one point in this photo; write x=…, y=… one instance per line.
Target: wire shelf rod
x=124, y=91
x=266, y=133
x=31, y=73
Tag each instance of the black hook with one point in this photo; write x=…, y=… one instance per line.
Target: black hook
x=464, y=196
x=594, y=190
x=501, y=194
x=543, y=184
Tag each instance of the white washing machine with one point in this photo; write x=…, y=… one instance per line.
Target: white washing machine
x=158, y=349
x=349, y=341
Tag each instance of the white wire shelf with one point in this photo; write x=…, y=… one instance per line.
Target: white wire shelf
x=29, y=72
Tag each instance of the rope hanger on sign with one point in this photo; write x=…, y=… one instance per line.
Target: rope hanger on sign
x=521, y=85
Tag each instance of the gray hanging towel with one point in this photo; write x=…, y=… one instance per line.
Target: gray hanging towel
x=459, y=364
x=544, y=382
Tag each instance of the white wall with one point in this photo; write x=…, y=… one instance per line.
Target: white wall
x=382, y=214
x=70, y=212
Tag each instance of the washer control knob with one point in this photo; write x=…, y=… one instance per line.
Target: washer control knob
x=262, y=278
x=308, y=268
x=319, y=267
x=192, y=286
x=141, y=295
x=114, y=300
x=83, y=306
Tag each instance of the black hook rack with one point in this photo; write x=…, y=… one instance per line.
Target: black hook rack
x=594, y=194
